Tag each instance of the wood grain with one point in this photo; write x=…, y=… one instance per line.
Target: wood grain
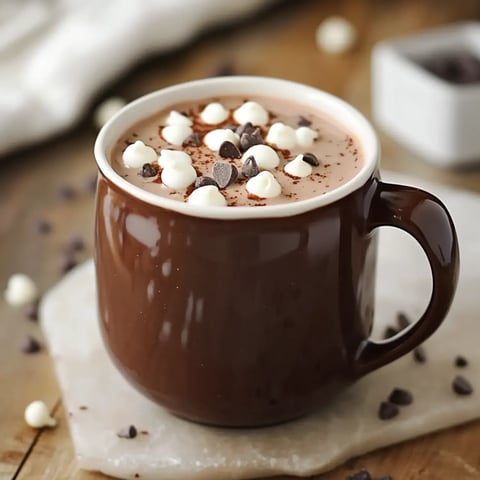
x=280, y=43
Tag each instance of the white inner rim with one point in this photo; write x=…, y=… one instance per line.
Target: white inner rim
x=323, y=102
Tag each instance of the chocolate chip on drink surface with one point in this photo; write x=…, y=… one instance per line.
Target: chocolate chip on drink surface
x=249, y=139
x=229, y=150
x=204, y=180
x=311, y=159
x=245, y=128
x=148, y=171
x=250, y=167
x=224, y=174
x=193, y=140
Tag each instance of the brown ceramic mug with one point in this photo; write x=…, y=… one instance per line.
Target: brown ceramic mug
x=249, y=316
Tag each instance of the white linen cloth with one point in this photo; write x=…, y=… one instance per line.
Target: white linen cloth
x=56, y=54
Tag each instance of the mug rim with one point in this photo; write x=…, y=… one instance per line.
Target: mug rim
x=238, y=85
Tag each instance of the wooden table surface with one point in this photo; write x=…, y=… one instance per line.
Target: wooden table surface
x=280, y=42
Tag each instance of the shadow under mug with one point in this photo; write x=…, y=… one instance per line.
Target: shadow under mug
x=250, y=316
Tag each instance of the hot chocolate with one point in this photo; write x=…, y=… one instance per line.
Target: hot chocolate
x=236, y=151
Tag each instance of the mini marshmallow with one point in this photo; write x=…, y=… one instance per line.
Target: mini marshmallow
x=20, y=290
x=138, y=154
x=265, y=157
x=282, y=136
x=209, y=195
x=106, y=110
x=214, y=139
x=169, y=156
x=176, y=118
x=178, y=175
x=176, y=134
x=214, y=113
x=251, y=112
x=264, y=185
x=298, y=168
x=335, y=35
x=306, y=136
x=37, y=415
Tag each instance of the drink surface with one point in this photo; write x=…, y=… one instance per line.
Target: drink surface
x=304, y=153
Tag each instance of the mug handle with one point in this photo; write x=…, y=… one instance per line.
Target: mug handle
x=426, y=219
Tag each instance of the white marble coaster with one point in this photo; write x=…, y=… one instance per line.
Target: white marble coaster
x=176, y=449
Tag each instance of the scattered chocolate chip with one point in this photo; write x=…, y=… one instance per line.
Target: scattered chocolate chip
x=137, y=475
x=223, y=69
x=461, y=361
x=147, y=171
x=362, y=474
x=30, y=344
x=32, y=311
x=389, y=332
x=43, y=227
x=462, y=386
x=248, y=140
x=387, y=410
x=402, y=320
x=127, y=432
x=91, y=183
x=400, y=396
x=229, y=150
x=67, y=262
x=303, y=122
x=250, y=168
x=203, y=181
x=193, y=140
x=224, y=174
x=419, y=354
x=66, y=192
x=311, y=159
x=83, y=407
x=245, y=128
x=75, y=244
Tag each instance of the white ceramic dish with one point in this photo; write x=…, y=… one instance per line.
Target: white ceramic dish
x=438, y=120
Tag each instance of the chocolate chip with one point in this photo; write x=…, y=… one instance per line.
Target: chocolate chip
x=91, y=183
x=147, y=171
x=387, y=410
x=402, y=320
x=311, y=159
x=30, y=344
x=400, y=396
x=229, y=150
x=193, y=140
x=462, y=386
x=419, y=354
x=223, y=69
x=389, y=332
x=250, y=168
x=224, y=174
x=303, y=122
x=67, y=262
x=203, y=181
x=43, y=226
x=32, y=311
x=461, y=361
x=245, y=128
x=361, y=475
x=127, y=432
x=66, y=192
x=75, y=244
x=248, y=140
x=83, y=407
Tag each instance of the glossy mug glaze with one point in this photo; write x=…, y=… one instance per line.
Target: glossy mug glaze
x=250, y=316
